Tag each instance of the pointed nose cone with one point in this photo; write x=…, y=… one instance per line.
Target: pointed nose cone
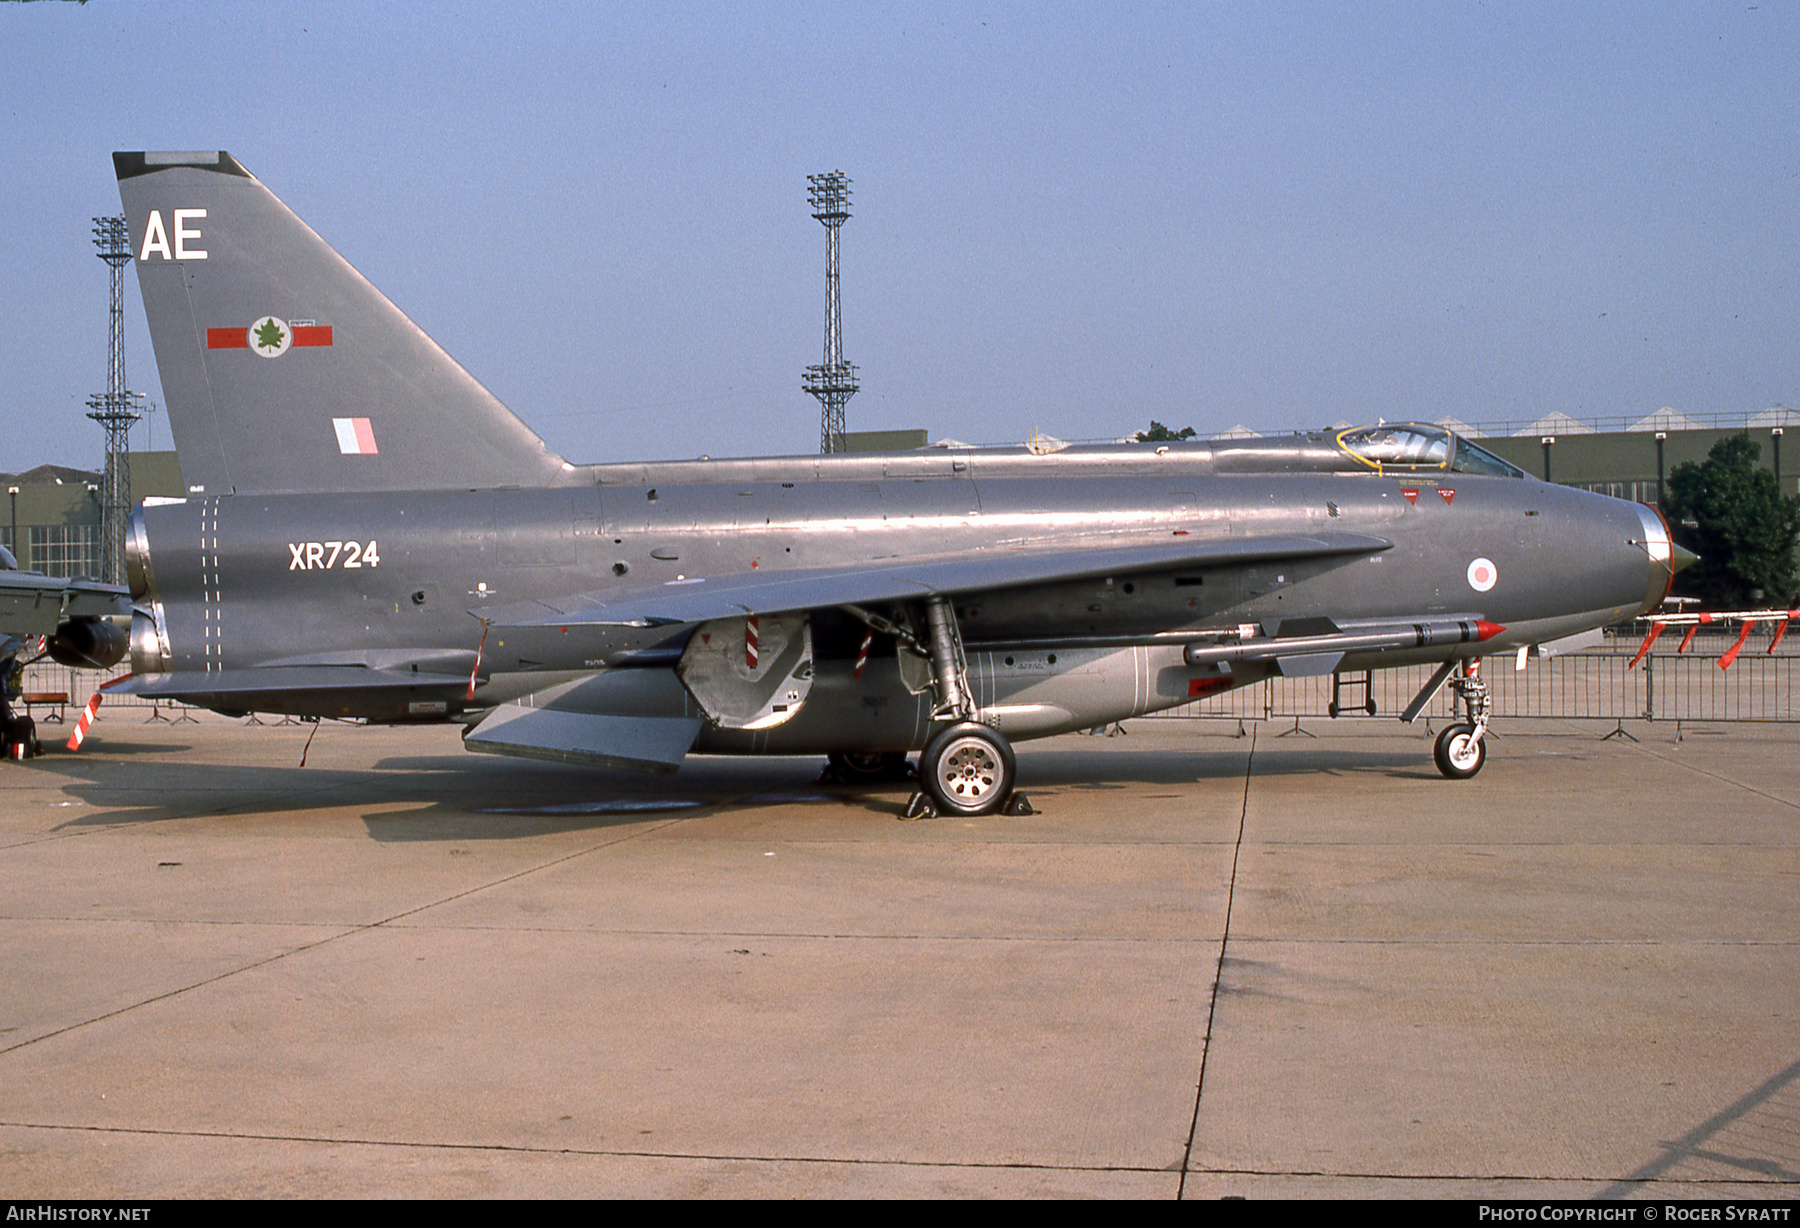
x=1680, y=559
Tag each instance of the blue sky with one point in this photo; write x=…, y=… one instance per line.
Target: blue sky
x=1072, y=219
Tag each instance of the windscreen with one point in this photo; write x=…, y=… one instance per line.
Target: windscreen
x=1473, y=459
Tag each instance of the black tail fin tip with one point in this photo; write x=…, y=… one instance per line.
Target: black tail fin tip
x=283, y=369
x=131, y=165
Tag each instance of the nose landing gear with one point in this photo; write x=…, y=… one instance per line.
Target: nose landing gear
x=1460, y=751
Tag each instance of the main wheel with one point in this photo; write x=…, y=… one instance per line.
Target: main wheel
x=1459, y=754
x=968, y=769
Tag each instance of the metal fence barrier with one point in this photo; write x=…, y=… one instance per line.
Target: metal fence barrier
x=1592, y=685
x=46, y=678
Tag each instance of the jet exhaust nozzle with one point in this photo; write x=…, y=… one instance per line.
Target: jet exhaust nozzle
x=149, y=642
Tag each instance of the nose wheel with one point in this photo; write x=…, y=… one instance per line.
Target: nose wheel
x=1461, y=749
x=1459, y=752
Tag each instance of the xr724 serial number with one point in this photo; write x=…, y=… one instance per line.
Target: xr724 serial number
x=323, y=556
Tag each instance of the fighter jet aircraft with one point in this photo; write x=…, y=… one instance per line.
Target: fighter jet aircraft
x=68, y=620
x=369, y=533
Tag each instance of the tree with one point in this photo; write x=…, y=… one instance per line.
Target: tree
x=1732, y=514
x=1158, y=433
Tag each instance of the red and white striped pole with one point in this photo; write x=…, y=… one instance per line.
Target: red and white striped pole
x=87, y=719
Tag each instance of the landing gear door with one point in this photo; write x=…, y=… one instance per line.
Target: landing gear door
x=915, y=670
x=749, y=673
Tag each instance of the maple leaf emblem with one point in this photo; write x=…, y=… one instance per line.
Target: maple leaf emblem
x=269, y=334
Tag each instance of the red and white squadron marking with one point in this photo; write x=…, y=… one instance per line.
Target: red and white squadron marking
x=269, y=337
x=355, y=436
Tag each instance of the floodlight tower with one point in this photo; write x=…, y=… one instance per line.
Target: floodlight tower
x=112, y=409
x=834, y=380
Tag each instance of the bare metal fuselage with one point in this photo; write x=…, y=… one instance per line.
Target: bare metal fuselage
x=374, y=605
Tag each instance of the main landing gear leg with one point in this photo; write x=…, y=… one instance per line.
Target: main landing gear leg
x=967, y=768
x=1461, y=750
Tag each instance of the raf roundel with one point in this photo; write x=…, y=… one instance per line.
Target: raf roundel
x=1482, y=575
x=270, y=337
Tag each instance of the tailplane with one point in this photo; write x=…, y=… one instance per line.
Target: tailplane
x=283, y=369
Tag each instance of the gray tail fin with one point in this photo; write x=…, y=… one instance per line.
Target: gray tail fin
x=283, y=369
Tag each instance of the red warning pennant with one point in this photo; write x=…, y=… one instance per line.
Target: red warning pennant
x=1448, y=494
x=1410, y=494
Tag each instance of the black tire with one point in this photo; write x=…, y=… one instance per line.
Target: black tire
x=968, y=769
x=21, y=732
x=1458, y=757
x=867, y=767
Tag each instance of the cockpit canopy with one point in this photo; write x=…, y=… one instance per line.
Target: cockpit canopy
x=1415, y=446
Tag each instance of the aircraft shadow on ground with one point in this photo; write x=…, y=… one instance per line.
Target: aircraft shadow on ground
x=1126, y=767
x=456, y=796
x=53, y=741
x=453, y=797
